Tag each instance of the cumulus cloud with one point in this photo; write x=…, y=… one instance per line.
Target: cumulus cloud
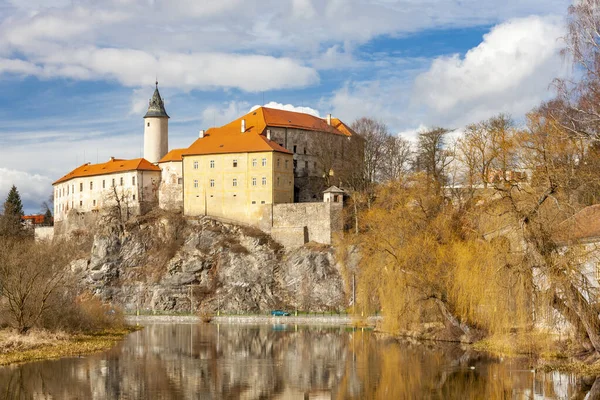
x=289, y=107
x=509, y=71
x=33, y=188
x=218, y=115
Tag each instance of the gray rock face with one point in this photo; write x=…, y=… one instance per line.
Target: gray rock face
x=162, y=262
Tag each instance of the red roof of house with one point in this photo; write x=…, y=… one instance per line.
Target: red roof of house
x=173, y=155
x=111, y=166
x=230, y=139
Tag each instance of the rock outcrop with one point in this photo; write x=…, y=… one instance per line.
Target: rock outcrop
x=165, y=262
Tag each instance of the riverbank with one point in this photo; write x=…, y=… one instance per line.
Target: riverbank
x=342, y=320
x=43, y=345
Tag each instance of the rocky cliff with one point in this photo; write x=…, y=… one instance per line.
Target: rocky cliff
x=165, y=262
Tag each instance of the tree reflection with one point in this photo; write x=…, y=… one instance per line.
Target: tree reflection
x=241, y=362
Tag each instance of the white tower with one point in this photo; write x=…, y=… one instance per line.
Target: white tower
x=156, y=129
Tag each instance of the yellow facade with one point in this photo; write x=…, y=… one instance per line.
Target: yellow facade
x=235, y=185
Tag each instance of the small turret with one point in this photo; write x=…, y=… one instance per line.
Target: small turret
x=156, y=129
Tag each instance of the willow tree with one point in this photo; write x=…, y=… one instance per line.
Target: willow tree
x=556, y=160
x=426, y=262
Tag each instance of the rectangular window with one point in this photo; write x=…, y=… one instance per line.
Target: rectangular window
x=80, y=187
x=264, y=180
x=196, y=165
x=305, y=150
x=80, y=203
x=212, y=183
x=134, y=196
x=254, y=162
x=121, y=181
x=234, y=182
x=133, y=180
x=195, y=183
x=234, y=163
x=306, y=165
x=67, y=190
x=113, y=182
x=294, y=148
x=253, y=202
x=277, y=181
x=262, y=202
x=212, y=163
x=278, y=162
x=287, y=164
x=264, y=162
x=103, y=184
x=253, y=181
x=179, y=181
x=73, y=189
x=91, y=185
x=94, y=203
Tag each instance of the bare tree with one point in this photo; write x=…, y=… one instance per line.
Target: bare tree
x=397, y=156
x=31, y=273
x=433, y=157
x=376, y=136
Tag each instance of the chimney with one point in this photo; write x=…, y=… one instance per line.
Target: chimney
x=201, y=133
x=112, y=158
x=269, y=134
x=243, y=125
x=329, y=119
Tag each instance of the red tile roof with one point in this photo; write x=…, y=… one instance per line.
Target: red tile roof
x=230, y=139
x=173, y=155
x=112, y=166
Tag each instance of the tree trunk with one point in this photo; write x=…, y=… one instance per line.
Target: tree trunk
x=559, y=305
x=446, y=311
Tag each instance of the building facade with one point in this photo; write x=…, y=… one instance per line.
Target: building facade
x=230, y=172
x=250, y=171
x=91, y=187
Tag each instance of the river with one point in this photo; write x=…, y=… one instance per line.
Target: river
x=209, y=361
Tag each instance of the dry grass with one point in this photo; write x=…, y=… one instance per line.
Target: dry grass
x=42, y=345
x=530, y=343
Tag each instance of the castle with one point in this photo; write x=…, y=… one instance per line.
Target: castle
x=268, y=169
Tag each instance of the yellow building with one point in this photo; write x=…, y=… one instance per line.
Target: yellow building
x=233, y=171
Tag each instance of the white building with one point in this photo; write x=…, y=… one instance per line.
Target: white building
x=90, y=187
x=134, y=184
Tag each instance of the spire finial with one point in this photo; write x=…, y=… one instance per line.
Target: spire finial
x=156, y=83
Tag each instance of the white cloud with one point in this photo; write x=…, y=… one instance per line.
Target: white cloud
x=510, y=71
x=289, y=107
x=218, y=115
x=33, y=188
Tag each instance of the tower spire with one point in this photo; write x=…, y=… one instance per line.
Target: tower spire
x=156, y=106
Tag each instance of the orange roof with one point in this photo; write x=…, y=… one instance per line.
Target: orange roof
x=110, y=167
x=290, y=119
x=173, y=155
x=230, y=139
x=342, y=127
x=35, y=219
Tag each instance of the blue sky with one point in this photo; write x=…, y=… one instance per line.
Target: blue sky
x=76, y=75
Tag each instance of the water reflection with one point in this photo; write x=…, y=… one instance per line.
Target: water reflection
x=282, y=362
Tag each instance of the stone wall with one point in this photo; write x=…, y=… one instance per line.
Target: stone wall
x=295, y=224
x=43, y=232
x=170, y=192
x=318, y=154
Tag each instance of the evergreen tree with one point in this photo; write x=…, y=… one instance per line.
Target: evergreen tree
x=10, y=220
x=13, y=204
x=48, y=217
